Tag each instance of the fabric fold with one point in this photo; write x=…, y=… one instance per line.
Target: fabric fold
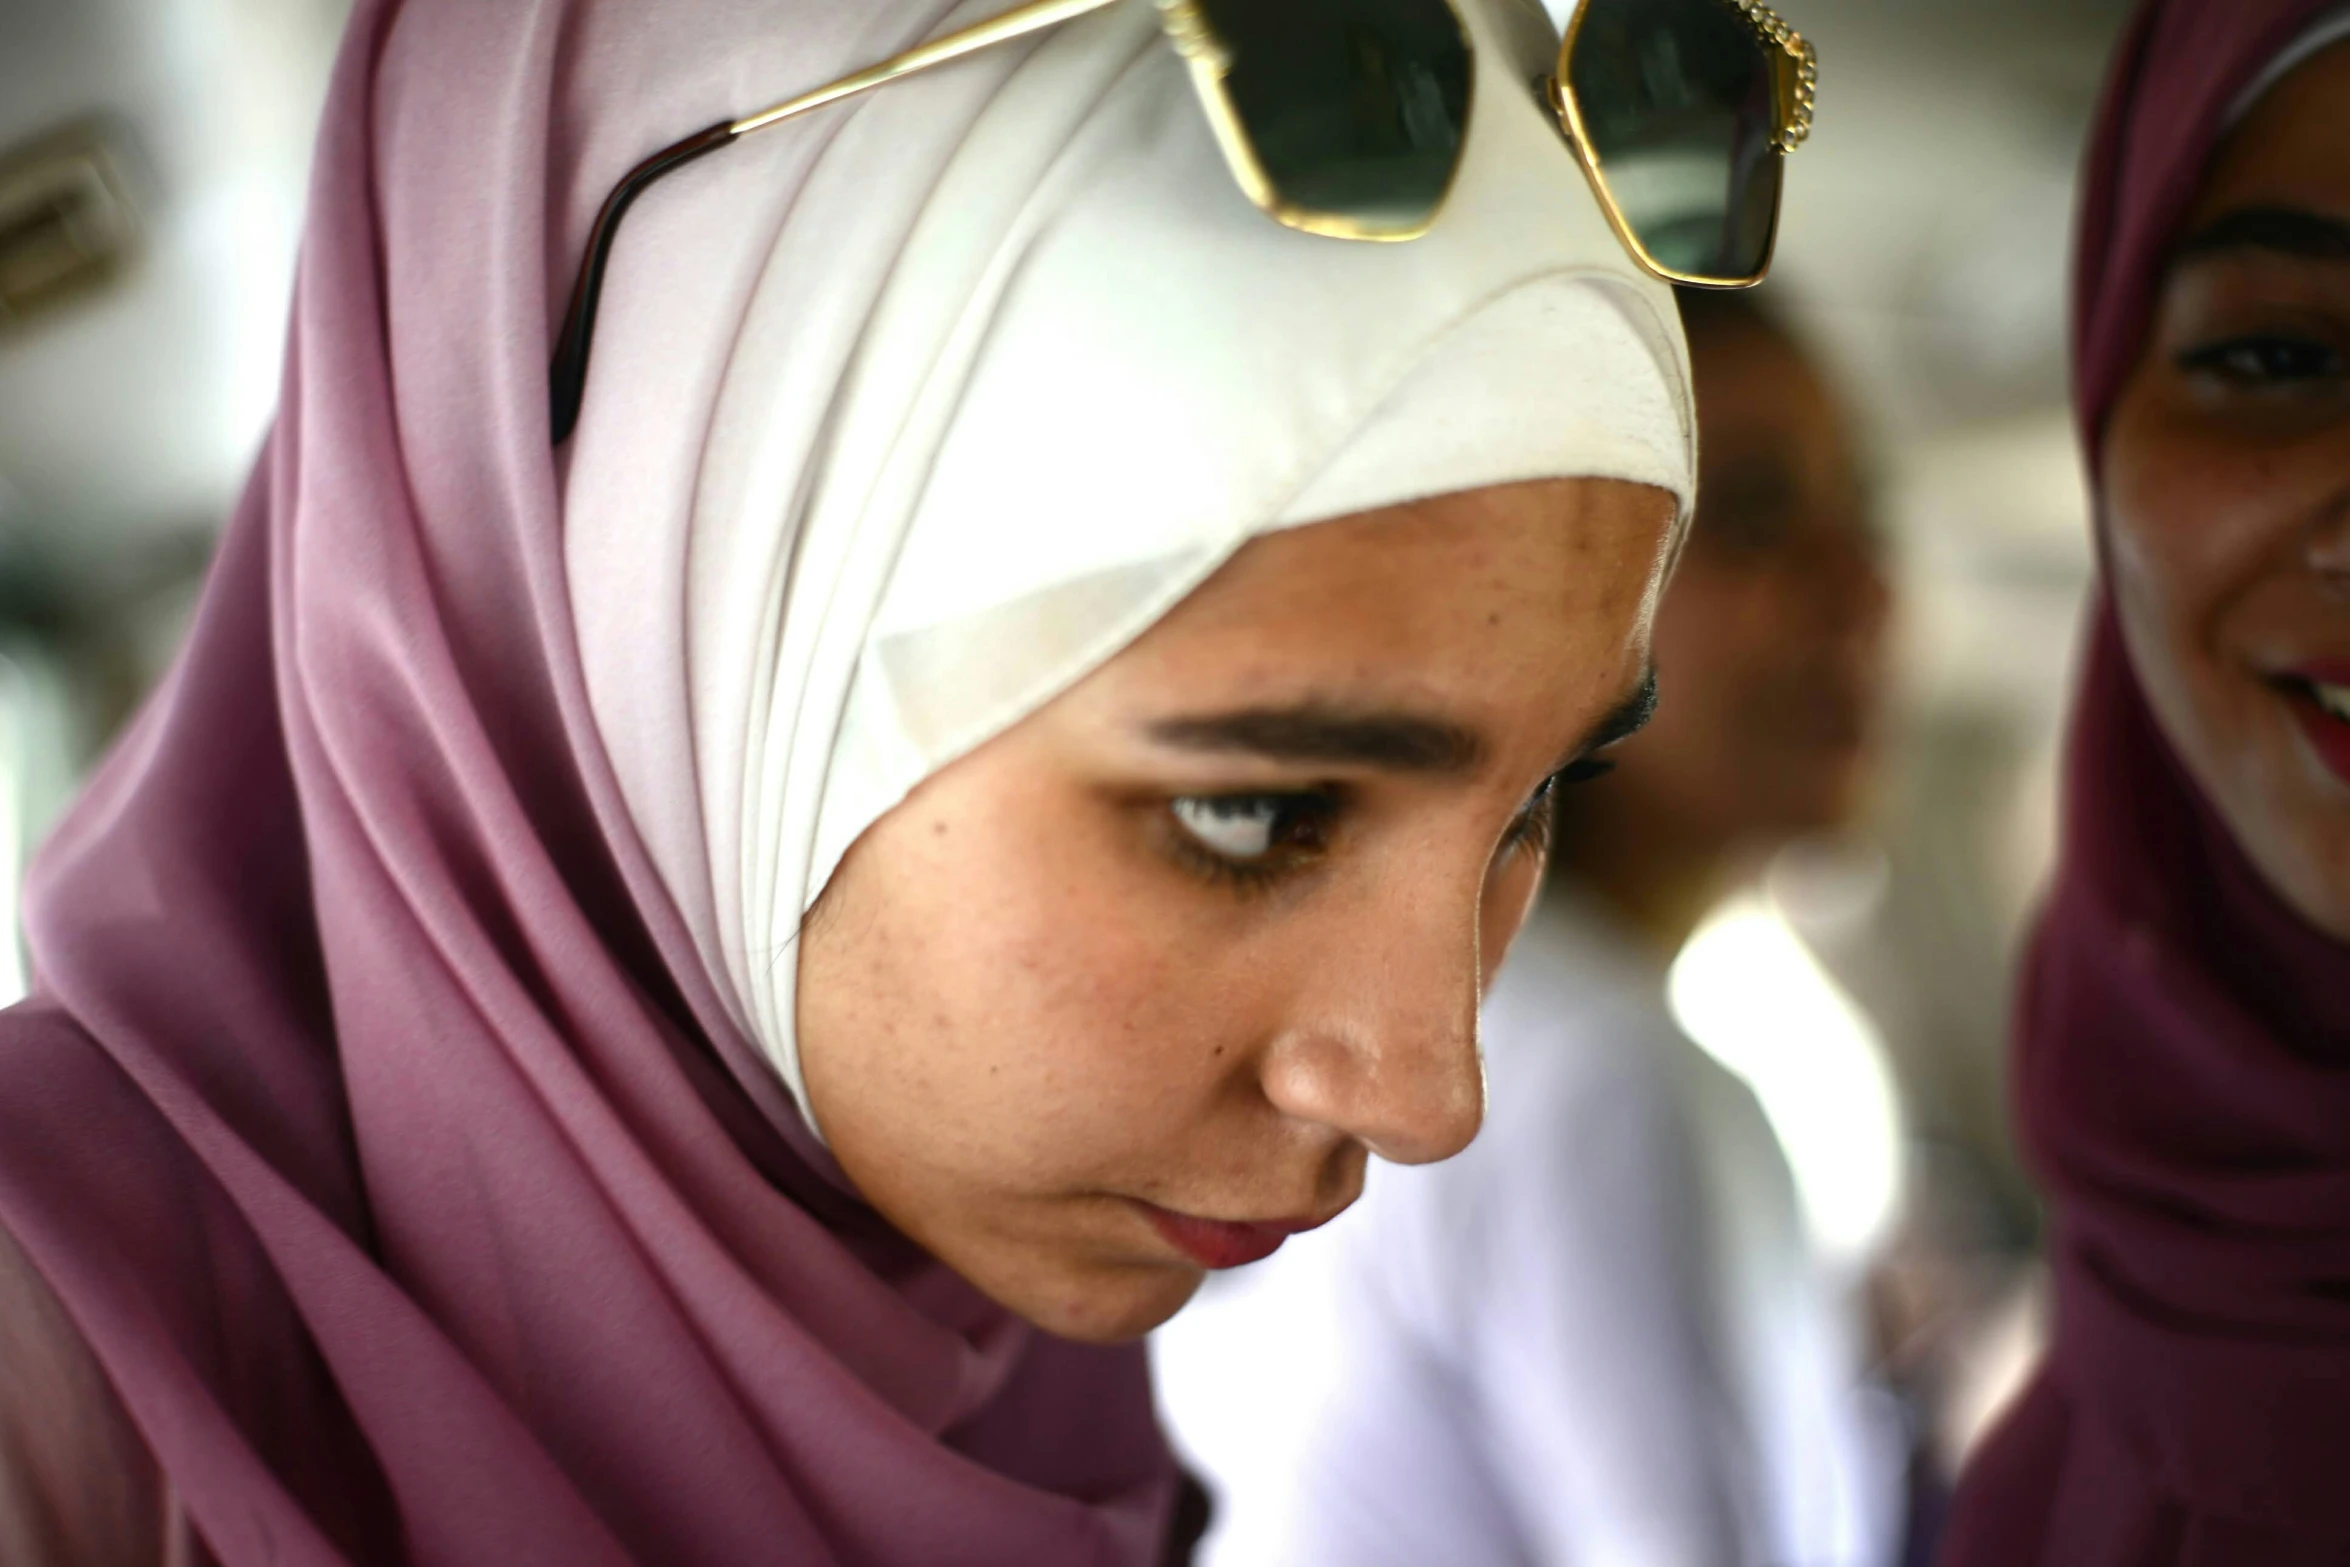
x=2181, y=1077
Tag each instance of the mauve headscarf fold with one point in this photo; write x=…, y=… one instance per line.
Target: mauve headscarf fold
x=2183, y=1063
x=402, y=1114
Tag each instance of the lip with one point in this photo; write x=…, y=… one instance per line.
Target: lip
x=2328, y=736
x=2324, y=672
x=1217, y=1244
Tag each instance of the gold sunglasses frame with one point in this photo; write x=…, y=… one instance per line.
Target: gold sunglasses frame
x=1795, y=80
x=1209, y=63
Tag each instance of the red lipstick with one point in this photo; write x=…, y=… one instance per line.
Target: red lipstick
x=2321, y=721
x=1223, y=1243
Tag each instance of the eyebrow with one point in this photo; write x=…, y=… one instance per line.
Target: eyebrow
x=1316, y=732
x=2286, y=231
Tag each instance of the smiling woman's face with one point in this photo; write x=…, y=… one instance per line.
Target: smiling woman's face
x=2227, y=472
x=1170, y=958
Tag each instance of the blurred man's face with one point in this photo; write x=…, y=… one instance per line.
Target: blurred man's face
x=1769, y=646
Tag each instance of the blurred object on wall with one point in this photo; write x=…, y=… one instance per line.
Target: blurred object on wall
x=130, y=412
x=68, y=227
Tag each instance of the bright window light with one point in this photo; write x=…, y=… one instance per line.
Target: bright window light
x=14, y=740
x=1749, y=991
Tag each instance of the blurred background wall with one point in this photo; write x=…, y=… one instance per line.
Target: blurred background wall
x=152, y=160
x=153, y=155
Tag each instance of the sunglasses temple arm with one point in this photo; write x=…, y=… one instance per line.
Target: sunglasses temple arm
x=567, y=376
x=1018, y=22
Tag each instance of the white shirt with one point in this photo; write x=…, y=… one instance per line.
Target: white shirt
x=1596, y=1339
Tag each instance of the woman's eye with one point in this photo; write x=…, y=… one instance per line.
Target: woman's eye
x=1532, y=828
x=1535, y=824
x=1244, y=829
x=2264, y=361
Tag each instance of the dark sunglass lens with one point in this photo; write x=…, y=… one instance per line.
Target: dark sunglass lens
x=1679, y=105
x=1355, y=109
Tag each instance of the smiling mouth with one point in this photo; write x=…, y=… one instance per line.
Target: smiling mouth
x=1217, y=1244
x=2334, y=699
x=2322, y=708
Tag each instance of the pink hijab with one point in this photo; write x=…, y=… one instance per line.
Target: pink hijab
x=374, y=1118
x=2183, y=1065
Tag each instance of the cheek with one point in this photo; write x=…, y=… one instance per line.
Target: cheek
x=1509, y=898
x=1070, y=1008
x=2194, y=528
x=2185, y=533
x=1032, y=1009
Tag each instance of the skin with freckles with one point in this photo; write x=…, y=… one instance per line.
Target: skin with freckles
x=2227, y=472
x=1211, y=928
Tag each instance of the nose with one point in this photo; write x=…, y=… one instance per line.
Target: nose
x=1381, y=1042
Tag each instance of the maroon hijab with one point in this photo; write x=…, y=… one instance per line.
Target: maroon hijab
x=2183, y=1065
x=374, y=1118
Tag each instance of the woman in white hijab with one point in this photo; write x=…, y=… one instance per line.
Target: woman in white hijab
x=686, y=1001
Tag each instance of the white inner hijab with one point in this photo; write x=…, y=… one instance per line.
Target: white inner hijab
x=1019, y=368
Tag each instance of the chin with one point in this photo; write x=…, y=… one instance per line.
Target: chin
x=2304, y=856
x=2287, y=811
x=1108, y=1305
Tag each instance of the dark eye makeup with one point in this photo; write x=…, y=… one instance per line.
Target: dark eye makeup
x=2264, y=361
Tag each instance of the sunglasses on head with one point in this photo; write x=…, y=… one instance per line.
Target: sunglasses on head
x=1347, y=118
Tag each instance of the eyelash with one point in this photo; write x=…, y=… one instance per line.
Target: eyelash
x=2251, y=363
x=1301, y=828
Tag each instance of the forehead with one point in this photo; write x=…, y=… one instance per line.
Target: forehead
x=1536, y=593
x=2293, y=149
